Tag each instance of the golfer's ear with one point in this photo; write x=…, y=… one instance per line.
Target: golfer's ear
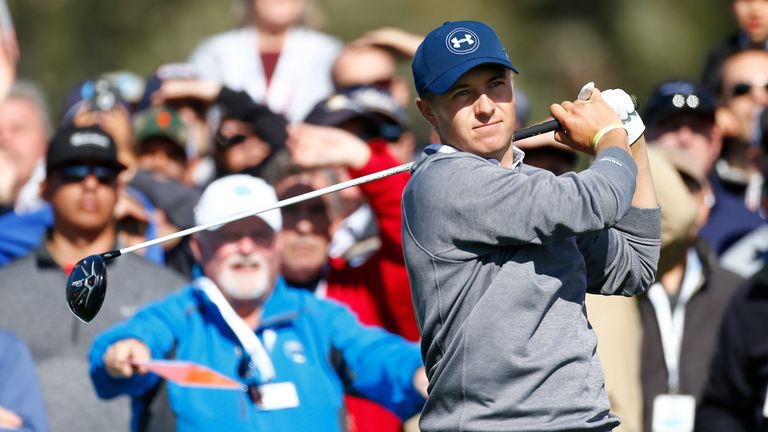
x=426, y=112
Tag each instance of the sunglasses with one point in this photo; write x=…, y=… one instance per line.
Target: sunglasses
x=77, y=173
x=744, y=88
x=225, y=142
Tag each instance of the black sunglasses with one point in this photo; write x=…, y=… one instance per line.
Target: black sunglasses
x=743, y=88
x=77, y=173
x=225, y=142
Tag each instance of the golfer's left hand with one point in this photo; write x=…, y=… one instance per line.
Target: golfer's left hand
x=624, y=107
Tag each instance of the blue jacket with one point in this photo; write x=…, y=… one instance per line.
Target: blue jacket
x=21, y=233
x=310, y=333
x=19, y=386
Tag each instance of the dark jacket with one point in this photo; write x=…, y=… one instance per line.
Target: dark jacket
x=19, y=387
x=34, y=308
x=734, y=398
x=703, y=314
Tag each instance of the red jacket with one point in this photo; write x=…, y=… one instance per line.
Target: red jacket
x=378, y=291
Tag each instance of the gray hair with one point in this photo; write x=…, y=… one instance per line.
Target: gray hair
x=32, y=93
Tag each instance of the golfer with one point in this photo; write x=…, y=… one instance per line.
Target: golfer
x=500, y=255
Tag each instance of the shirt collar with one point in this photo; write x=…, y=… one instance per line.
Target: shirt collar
x=446, y=149
x=283, y=305
x=745, y=43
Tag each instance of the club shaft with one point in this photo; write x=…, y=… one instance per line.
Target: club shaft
x=520, y=134
x=280, y=204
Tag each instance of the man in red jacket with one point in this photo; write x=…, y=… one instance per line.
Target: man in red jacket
x=374, y=282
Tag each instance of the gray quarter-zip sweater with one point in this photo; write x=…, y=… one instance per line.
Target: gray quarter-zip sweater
x=499, y=262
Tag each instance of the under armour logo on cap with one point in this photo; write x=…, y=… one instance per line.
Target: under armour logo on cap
x=451, y=50
x=468, y=42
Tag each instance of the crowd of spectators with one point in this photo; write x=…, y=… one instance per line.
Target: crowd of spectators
x=136, y=158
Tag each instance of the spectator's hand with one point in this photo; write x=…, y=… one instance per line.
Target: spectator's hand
x=8, y=178
x=624, y=106
x=9, y=56
x=9, y=419
x=128, y=207
x=165, y=227
x=420, y=381
x=396, y=39
x=312, y=146
x=178, y=89
x=582, y=120
x=121, y=358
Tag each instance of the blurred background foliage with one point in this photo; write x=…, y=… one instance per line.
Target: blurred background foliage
x=558, y=45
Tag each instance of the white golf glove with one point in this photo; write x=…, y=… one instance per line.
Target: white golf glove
x=622, y=103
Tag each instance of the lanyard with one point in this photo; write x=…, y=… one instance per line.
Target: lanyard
x=244, y=334
x=672, y=322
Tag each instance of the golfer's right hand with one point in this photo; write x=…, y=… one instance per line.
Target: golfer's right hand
x=583, y=119
x=122, y=357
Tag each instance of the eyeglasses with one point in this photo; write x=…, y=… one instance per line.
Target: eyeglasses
x=744, y=88
x=225, y=142
x=77, y=173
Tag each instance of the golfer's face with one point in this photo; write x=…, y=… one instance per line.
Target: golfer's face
x=477, y=114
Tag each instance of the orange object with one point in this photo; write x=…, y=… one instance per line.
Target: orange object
x=190, y=374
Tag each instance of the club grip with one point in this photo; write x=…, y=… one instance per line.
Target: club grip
x=527, y=132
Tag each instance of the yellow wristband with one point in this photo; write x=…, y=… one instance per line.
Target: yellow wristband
x=604, y=131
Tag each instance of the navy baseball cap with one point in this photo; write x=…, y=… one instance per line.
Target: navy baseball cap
x=671, y=98
x=452, y=49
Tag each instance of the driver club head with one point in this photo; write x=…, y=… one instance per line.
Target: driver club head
x=87, y=287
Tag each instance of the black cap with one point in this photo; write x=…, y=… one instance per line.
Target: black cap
x=266, y=124
x=675, y=97
x=369, y=103
x=82, y=144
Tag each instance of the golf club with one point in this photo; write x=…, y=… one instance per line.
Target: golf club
x=87, y=283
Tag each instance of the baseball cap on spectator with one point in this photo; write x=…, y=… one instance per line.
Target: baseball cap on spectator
x=98, y=93
x=237, y=193
x=129, y=84
x=385, y=117
x=451, y=50
x=71, y=145
x=160, y=122
x=334, y=110
x=263, y=122
x=675, y=97
x=379, y=105
x=165, y=72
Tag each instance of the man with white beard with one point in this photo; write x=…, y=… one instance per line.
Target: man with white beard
x=294, y=354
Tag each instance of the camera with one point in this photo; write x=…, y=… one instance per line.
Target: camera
x=104, y=96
